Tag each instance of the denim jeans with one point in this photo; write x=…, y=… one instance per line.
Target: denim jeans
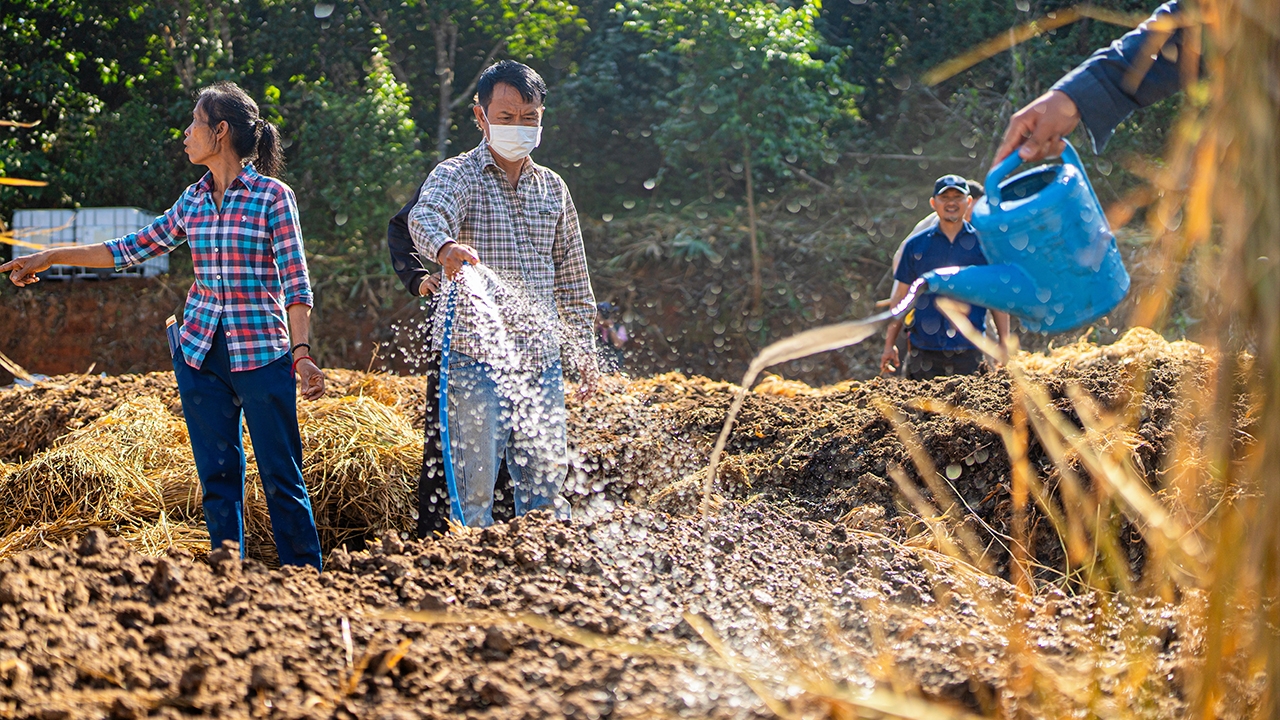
x=519, y=417
x=214, y=399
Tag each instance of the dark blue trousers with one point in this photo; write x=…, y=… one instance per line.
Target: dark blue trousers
x=213, y=400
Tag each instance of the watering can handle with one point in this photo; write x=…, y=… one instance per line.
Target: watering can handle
x=1011, y=163
x=998, y=173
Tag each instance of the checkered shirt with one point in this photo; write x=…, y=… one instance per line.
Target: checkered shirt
x=248, y=261
x=528, y=235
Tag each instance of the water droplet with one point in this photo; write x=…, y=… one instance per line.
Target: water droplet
x=323, y=10
x=628, y=204
x=1044, y=294
x=793, y=206
x=1019, y=241
x=953, y=471
x=340, y=219
x=910, y=202
x=650, y=184
x=1023, y=5
x=607, y=217
x=708, y=107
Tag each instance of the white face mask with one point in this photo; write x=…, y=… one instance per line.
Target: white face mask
x=513, y=142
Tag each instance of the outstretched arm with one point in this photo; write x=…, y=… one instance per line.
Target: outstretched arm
x=22, y=271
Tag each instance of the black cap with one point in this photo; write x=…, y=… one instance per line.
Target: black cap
x=950, y=181
x=975, y=189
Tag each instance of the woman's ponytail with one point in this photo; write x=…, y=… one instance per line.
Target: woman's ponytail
x=269, y=157
x=252, y=137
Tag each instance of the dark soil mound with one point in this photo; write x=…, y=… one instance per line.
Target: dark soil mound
x=828, y=456
x=100, y=630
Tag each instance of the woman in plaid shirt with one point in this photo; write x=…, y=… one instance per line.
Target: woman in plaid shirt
x=245, y=327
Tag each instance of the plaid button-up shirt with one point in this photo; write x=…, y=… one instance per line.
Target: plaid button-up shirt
x=529, y=236
x=248, y=261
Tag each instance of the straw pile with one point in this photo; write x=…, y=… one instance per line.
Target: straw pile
x=404, y=393
x=126, y=471
x=35, y=418
x=360, y=461
x=130, y=471
x=1139, y=346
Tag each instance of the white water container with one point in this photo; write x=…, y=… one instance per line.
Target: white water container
x=95, y=225
x=43, y=227
x=85, y=226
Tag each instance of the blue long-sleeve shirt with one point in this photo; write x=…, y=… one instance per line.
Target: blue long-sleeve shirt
x=1111, y=84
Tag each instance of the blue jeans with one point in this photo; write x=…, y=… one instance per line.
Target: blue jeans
x=495, y=415
x=213, y=401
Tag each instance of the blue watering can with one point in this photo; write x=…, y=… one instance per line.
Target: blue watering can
x=1054, y=261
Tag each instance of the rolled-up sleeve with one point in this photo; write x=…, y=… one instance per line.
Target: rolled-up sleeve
x=574, y=298
x=1139, y=69
x=437, y=217
x=286, y=242
x=163, y=235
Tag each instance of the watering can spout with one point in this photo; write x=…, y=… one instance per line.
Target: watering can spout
x=1004, y=288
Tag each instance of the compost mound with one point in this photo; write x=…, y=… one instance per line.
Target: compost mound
x=437, y=629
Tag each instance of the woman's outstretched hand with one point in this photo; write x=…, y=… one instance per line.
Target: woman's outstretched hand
x=22, y=271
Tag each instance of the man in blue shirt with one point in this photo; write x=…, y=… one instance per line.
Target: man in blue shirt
x=936, y=347
x=1143, y=67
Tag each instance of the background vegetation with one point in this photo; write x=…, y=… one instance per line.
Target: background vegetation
x=653, y=102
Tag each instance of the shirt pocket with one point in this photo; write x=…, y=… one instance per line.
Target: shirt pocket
x=543, y=216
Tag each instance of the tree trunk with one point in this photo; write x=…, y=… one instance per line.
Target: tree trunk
x=446, y=37
x=757, y=287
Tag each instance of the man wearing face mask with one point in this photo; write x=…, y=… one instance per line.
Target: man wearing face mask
x=495, y=206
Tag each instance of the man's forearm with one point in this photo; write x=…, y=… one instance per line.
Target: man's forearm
x=891, y=333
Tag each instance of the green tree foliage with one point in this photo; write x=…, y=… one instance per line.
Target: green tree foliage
x=353, y=155
x=757, y=90
x=463, y=37
x=750, y=72
x=890, y=44
x=642, y=92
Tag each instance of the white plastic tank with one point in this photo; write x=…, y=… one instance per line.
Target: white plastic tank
x=43, y=227
x=85, y=226
x=95, y=225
